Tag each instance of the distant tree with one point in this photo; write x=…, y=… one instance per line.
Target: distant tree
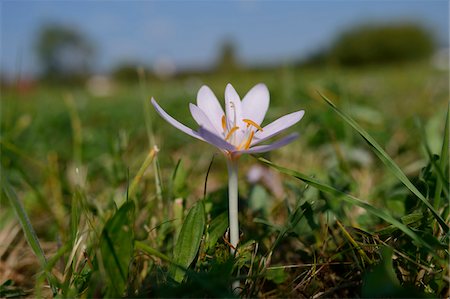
x=126, y=71
x=227, y=60
x=382, y=44
x=63, y=52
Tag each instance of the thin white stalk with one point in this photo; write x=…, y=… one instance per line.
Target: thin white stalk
x=233, y=203
x=233, y=211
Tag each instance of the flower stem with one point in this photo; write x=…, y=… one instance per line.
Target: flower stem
x=233, y=203
x=233, y=211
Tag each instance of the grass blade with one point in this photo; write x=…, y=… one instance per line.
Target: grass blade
x=28, y=230
x=442, y=165
x=384, y=157
x=439, y=169
x=148, y=160
x=117, y=247
x=354, y=243
x=151, y=251
x=355, y=201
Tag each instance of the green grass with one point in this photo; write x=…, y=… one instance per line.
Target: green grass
x=359, y=202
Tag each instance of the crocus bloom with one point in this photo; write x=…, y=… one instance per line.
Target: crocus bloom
x=237, y=130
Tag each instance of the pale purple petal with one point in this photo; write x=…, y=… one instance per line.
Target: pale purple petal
x=215, y=140
x=255, y=103
x=174, y=122
x=202, y=120
x=270, y=147
x=207, y=101
x=233, y=108
x=278, y=126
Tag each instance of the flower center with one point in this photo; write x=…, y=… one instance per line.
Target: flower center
x=229, y=130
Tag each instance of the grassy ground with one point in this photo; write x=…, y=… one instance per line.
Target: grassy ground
x=112, y=217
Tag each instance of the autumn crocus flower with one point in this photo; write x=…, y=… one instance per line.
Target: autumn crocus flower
x=236, y=131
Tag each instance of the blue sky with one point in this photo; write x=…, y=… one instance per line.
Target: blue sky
x=190, y=32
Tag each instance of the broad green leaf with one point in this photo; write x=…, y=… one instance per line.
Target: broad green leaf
x=116, y=247
x=188, y=241
x=354, y=201
x=216, y=229
x=382, y=282
x=384, y=157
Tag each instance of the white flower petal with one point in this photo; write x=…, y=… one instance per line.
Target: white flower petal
x=270, y=147
x=202, y=120
x=278, y=126
x=207, y=101
x=255, y=103
x=233, y=108
x=215, y=140
x=174, y=122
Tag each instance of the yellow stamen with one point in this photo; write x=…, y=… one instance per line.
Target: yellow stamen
x=224, y=123
x=233, y=129
x=249, y=140
x=252, y=123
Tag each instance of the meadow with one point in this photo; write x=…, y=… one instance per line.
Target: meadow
x=356, y=207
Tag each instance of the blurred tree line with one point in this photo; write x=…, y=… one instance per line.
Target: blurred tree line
x=377, y=44
x=65, y=54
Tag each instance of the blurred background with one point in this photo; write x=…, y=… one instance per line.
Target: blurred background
x=63, y=41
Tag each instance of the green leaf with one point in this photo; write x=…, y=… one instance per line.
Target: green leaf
x=216, y=229
x=9, y=290
x=116, y=247
x=382, y=282
x=259, y=199
x=442, y=183
x=384, y=157
x=443, y=164
x=188, y=241
x=179, y=181
x=151, y=251
x=30, y=234
x=277, y=275
x=409, y=220
x=75, y=214
x=354, y=201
